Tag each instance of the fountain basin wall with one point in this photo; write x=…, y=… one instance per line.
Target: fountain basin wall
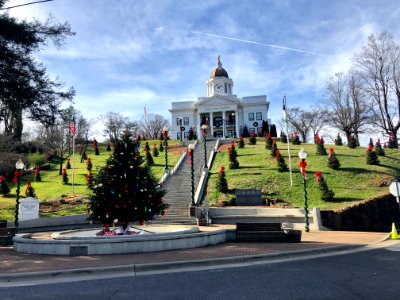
x=119, y=244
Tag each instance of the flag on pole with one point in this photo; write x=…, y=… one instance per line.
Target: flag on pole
x=72, y=127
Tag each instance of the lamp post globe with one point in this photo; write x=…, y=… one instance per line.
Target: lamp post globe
x=165, y=132
x=204, y=131
x=303, y=164
x=18, y=166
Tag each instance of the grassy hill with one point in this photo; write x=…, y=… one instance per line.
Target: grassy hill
x=51, y=190
x=353, y=182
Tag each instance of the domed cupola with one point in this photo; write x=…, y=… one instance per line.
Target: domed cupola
x=219, y=71
x=219, y=82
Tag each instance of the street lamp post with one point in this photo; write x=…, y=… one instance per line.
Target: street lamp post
x=190, y=151
x=19, y=166
x=204, y=131
x=165, y=130
x=303, y=165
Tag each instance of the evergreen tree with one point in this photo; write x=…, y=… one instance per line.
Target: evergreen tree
x=252, y=139
x=333, y=161
x=4, y=187
x=273, y=131
x=90, y=180
x=320, y=145
x=147, y=147
x=241, y=142
x=233, y=162
x=391, y=142
x=30, y=191
x=295, y=139
x=68, y=164
x=283, y=137
x=83, y=156
x=268, y=142
x=222, y=183
x=274, y=148
x=371, y=157
x=245, y=133
x=155, y=150
x=282, y=167
x=191, y=134
x=326, y=193
x=64, y=176
x=161, y=148
x=378, y=148
x=89, y=165
x=96, y=147
x=338, y=140
x=149, y=158
x=37, y=175
x=125, y=188
x=265, y=128
x=108, y=147
x=351, y=141
x=161, y=136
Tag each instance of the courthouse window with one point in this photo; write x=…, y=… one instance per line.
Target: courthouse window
x=259, y=116
x=251, y=116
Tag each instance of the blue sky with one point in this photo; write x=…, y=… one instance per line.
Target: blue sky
x=130, y=53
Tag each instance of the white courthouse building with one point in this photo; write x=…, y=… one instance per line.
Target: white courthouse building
x=223, y=112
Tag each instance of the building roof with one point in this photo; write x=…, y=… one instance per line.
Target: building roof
x=219, y=71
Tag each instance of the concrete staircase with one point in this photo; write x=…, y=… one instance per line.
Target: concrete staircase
x=178, y=187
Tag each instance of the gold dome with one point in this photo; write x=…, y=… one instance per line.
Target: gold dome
x=219, y=71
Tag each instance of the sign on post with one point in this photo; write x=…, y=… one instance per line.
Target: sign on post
x=28, y=209
x=394, y=189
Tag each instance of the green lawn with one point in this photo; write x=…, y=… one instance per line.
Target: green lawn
x=50, y=190
x=353, y=182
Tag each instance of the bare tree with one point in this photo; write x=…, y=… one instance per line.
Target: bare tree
x=152, y=125
x=379, y=67
x=317, y=118
x=300, y=120
x=346, y=104
x=114, y=123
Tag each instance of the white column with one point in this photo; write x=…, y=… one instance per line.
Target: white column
x=198, y=126
x=223, y=125
x=212, y=123
x=237, y=123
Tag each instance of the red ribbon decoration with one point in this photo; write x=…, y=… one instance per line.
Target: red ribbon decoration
x=16, y=176
x=303, y=166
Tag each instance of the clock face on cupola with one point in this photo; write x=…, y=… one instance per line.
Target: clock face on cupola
x=219, y=82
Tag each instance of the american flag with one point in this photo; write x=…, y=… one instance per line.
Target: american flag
x=72, y=127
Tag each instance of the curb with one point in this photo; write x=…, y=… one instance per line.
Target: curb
x=142, y=268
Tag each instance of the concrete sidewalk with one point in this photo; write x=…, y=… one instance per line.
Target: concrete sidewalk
x=14, y=264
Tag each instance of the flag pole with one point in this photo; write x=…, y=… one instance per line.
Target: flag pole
x=288, y=139
x=73, y=164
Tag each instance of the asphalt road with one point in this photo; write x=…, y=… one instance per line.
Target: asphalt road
x=372, y=274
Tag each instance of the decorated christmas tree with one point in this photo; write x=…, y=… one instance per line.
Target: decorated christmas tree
x=241, y=142
x=161, y=148
x=233, y=162
x=89, y=180
x=89, y=165
x=147, y=147
x=283, y=137
x=282, y=167
x=268, y=141
x=378, y=148
x=108, y=147
x=155, y=150
x=30, y=191
x=191, y=134
x=274, y=148
x=37, y=175
x=295, y=139
x=371, y=156
x=338, y=140
x=149, y=158
x=326, y=193
x=96, y=147
x=320, y=145
x=222, y=183
x=125, y=189
x=391, y=143
x=4, y=187
x=64, y=176
x=371, y=142
x=351, y=141
x=252, y=138
x=245, y=133
x=333, y=161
